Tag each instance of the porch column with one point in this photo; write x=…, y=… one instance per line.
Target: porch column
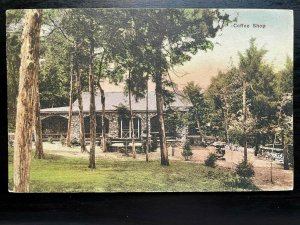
x=113, y=125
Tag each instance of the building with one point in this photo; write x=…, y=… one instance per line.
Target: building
x=55, y=120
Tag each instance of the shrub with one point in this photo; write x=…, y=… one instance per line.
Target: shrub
x=235, y=181
x=108, y=144
x=62, y=140
x=244, y=170
x=10, y=142
x=50, y=140
x=75, y=142
x=211, y=160
x=187, y=151
x=153, y=144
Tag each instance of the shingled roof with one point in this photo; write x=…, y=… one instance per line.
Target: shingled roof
x=114, y=99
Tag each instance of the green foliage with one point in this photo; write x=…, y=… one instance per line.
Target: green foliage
x=187, y=151
x=198, y=113
x=264, y=94
x=62, y=140
x=175, y=120
x=244, y=169
x=10, y=154
x=123, y=111
x=240, y=182
x=154, y=144
x=50, y=140
x=13, y=48
x=75, y=142
x=211, y=160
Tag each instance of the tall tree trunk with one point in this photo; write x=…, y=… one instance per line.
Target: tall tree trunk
x=244, y=120
x=257, y=143
x=68, y=139
x=160, y=111
x=102, y=93
x=92, y=164
x=38, y=138
x=147, y=123
x=285, y=152
x=131, y=118
x=199, y=128
x=29, y=69
x=79, y=92
x=103, y=130
x=226, y=119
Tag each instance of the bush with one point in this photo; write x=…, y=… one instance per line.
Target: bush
x=244, y=170
x=187, y=151
x=75, y=142
x=10, y=142
x=239, y=182
x=153, y=144
x=50, y=140
x=211, y=160
x=62, y=140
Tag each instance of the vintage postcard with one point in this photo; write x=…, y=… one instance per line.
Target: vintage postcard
x=150, y=100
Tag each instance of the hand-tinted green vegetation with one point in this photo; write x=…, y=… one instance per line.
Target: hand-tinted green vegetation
x=63, y=174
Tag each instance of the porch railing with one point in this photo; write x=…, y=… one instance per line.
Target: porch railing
x=126, y=133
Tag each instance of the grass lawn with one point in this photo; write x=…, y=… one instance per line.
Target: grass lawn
x=66, y=174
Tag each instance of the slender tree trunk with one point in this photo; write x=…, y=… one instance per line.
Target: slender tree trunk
x=257, y=143
x=92, y=108
x=285, y=152
x=244, y=120
x=81, y=119
x=29, y=69
x=147, y=123
x=160, y=111
x=226, y=119
x=68, y=139
x=102, y=93
x=199, y=128
x=131, y=118
x=38, y=138
x=103, y=130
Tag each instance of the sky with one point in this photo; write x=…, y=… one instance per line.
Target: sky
x=274, y=34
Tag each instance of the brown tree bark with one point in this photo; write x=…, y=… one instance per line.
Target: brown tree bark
x=29, y=69
x=38, y=138
x=81, y=119
x=226, y=117
x=160, y=111
x=131, y=118
x=102, y=93
x=103, y=130
x=285, y=152
x=68, y=139
x=92, y=164
x=257, y=143
x=147, y=123
x=244, y=120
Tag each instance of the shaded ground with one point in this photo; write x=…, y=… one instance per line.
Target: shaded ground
x=282, y=179
x=57, y=173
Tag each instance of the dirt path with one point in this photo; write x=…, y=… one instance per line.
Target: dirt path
x=282, y=179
